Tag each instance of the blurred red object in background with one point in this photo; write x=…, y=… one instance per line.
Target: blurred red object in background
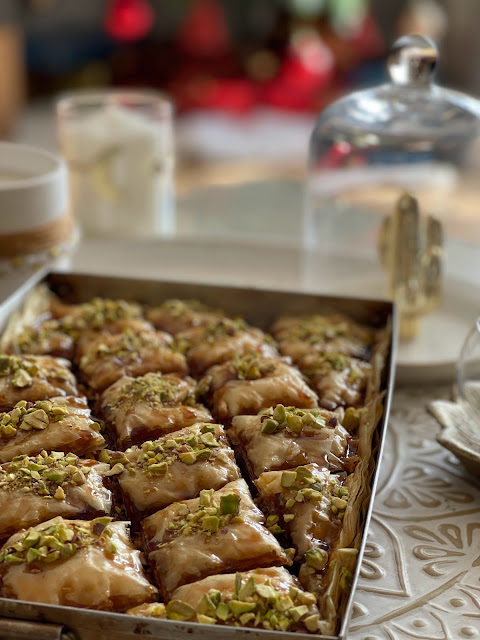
x=204, y=32
x=306, y=70
x=128, y=20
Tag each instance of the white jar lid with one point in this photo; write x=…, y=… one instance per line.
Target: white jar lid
x=33, y=188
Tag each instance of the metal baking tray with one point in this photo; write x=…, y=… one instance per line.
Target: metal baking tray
x=19, y=619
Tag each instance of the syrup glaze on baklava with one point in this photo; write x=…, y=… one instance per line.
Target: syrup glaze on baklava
x=187, y=400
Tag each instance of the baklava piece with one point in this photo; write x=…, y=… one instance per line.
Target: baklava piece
x=247, y=384
x=90, y=564
x=45, y=339
x=339, y=380
x=300, y=336
x=221, y=341
x=36, y=488
x=219, y=532
x=97, y=313
x=174, y=316
x=284, y=437
x=263, y=598
x=59, y=424
x=176, y=467
x=34, y=378
x=85, y=322
x=147, y=407
x=309, y=504
x=110, y=357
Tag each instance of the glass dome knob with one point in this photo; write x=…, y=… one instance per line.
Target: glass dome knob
x=412, y=61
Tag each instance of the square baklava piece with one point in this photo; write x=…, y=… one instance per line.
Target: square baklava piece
x=59, y=424
x=112, y=356
x=32, y=378
x=147, y=407
x=246, y=384
x=90, y=564
x=220, y=341
x=174, y=316
x=299, y=336
x=219, y=532
x=97, y=313
x=47, y=338
x=174, y=468
x=285, y=437
x=308, y=504
x=339, y=380
x=37, y=488
x=86, y=322
x=268, y=598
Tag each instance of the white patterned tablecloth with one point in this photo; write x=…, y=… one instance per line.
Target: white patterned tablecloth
x=420, y=576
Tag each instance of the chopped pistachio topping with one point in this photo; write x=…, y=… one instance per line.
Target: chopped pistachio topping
x=60, y=541
x=156, y=389
x=316, y=558
x=177, y=308
x=24, y=368
x=314, y=329
x=126, y=348
x=28, y=416
x=224, y=327
x=301, y=485
x=221, y=328
x=47, y=474
x=156, y=456
x=179, y=610
x=208, y=517
x=351, y=419
x=30, y=337
x=252, y=604
x=291, y=420
x=97, y=313
x=251, y=367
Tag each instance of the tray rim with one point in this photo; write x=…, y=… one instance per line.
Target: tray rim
x=175, y=630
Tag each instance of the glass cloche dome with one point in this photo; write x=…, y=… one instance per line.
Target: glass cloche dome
x=389, y=170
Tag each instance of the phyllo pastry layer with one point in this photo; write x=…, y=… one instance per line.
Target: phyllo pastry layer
x=176, y=315
x=263, y=598
x=298, y=336
x=285, y=437
x=246, y=384
x=47, y=338
x=309, y=504
x=221, y=341
x=90, y=564
x=176, y=467
x=36, y=488
x=339, y=380
x=34, y=378
x=59, y=424
x=144, y=408
x=218, y=532
x=110, y=357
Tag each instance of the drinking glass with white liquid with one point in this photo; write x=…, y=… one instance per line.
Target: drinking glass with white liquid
x=119, y=150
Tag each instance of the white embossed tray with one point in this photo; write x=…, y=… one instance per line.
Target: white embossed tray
x=420, y=578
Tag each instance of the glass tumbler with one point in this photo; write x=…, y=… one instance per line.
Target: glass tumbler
x=119, y=149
